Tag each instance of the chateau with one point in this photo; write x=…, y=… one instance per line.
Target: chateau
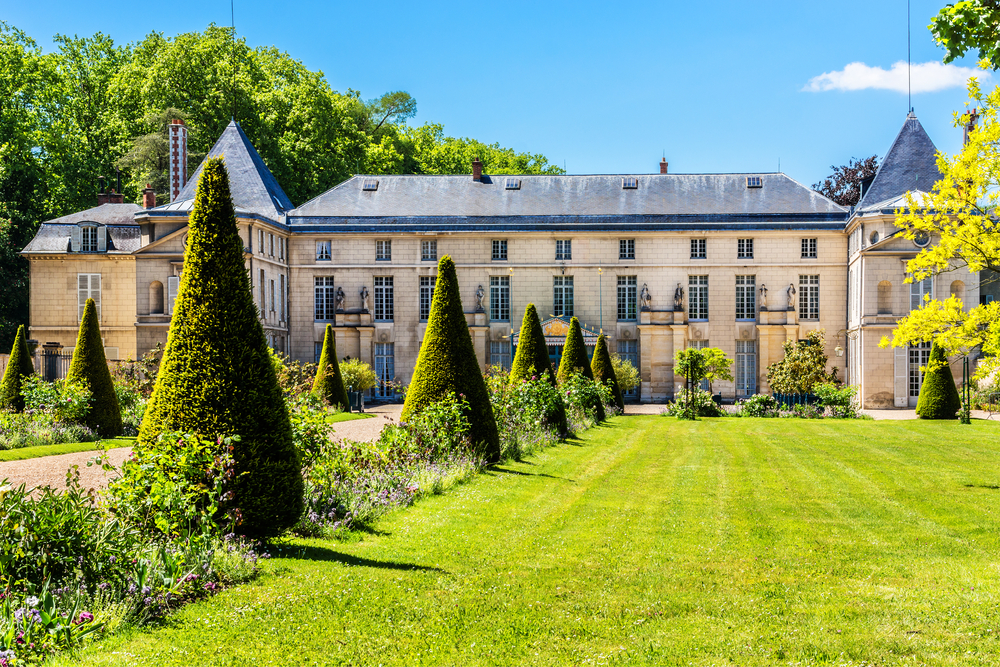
x=658, y=262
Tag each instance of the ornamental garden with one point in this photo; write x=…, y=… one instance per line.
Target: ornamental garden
x=551, y=529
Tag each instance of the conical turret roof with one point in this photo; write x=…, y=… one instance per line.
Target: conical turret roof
x=909, y=166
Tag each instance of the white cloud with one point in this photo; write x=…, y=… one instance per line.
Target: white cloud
x=926, y=78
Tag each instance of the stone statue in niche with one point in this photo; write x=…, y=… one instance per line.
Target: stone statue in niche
x=364, y=298
x=340, y=297
x=645, y=297
x=679, y=298
x=791, y=296
x=480, y=295
x=763, y=296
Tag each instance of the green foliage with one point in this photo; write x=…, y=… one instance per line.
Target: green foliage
x=843, y=186
x=23, y=430
x=840, y=399
x=969, y=25
x=604, y=371
x=19, y=367
x=89, y=368
x=803, y=366
x=358, y=376
x=311, y=428
x=690, y=364
x=758, y=405
x=329, y=384
x=574, y=355
x=529, y=411
x=690, y=405
x=938, y=394
x=62, y=401
x=626, y=374
x=447, y=364
x=532, y=354
x=584, y=399
x=217, y=376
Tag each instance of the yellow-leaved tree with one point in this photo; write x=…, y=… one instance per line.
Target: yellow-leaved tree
x=960, y=215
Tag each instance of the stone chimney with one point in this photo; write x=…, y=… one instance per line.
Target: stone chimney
x=477, y=170
x=149, y=197
x=663, y=166
x=177, y=143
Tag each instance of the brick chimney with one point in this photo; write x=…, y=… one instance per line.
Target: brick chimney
x=149, y=197
x=477, y=170
x=110, y=198
x=663, y=166
x=177, y=140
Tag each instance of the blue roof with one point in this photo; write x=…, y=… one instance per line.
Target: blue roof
x=909, y=166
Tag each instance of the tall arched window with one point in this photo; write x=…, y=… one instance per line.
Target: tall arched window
x=885, y=298
x=958, y=291
x=156, y=298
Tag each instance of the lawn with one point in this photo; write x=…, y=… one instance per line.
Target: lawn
x=65, y=448
x=647, y=541
x=347, y=416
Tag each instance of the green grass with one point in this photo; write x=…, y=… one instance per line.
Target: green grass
x=64, y=448
x=649, y=541
x=348, y=416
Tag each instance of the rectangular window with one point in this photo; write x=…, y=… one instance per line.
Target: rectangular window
x=628, y=350
x=920, y=356
x=626, y=248
x=385, y=369
x=919, y=289
x=627, y=298
x=263, y=295
x=317, y=352
x=270, y=243
x=698, y=250
x=428, y=251
x=323, y=251
x=383, y=251
x=809, y=297
x=562, y=297
x=499, y=250
x=500, y=298
x=744, y=248
x=426, y=296
x=326, y=299
x=281, y=295
x=89, y=243
x=260, y=238
x=746, y=297
x=746, y=368
x=500, y=354
x=698, y=297
x=564, y=249
x=173, y=285
x=383, y=299
x=88, y=287
x=271, y=289
x=281, y=247
x=808, y=248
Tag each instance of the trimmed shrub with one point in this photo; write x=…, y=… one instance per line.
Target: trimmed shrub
x=938, y=394
x=532, y=356
x=18, y=367
x=216, y=377
x=574, y=360
x=89, y=367
x=604, y=371
x=447, y=364
x=329, y=383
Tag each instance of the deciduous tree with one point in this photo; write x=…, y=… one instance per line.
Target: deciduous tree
x=844, y=184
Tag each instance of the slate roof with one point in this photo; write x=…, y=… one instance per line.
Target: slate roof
x=910, y=165
x=106, y=214
x=561, y=196
x=55, y=237
x=253, y=186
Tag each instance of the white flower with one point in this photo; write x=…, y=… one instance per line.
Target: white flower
x=32, y=602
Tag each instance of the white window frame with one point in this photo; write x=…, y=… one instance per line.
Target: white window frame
x=699, y=249
x=500, y=354
x=746, y=368
x=499, y=253
x=427, y=284
x=323, y=251
x=88, y=239
x=628, y=299
x=500, y=298
x=698, y=298
x=809, y=297
x=626, y=248
x=324, y=299
x=918, y=288
x=564, y=250
x=746, y=298
x=88, y=287
x=809, y=248
x=383, y=250
x=428, y=251
x=744, y=248
x=562, y=296
x=384, y=300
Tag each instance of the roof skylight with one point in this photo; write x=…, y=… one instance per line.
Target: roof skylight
x=369, y=184
x=630, y=183
x=512, y=184
x=754, y=182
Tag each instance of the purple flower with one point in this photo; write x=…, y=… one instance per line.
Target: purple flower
x=84, y=617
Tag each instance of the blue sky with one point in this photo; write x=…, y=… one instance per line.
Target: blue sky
x=602, y=87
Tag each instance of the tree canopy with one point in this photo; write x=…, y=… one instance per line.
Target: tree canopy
x=844, y=184
x=92, y=106
x=970, y=25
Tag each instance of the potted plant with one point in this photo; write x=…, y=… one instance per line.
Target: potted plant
x=358, y=378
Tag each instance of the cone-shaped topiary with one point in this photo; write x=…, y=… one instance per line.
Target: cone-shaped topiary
x=938, y=394
x=604, y=371
x=574, y=360
x=447, y=363
x=532, y=358
x=216, y=377
x=329, y=383
x=89, y=367
x=18, y=367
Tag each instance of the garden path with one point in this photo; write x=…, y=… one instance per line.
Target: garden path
x=51, y=470
x=366, y=430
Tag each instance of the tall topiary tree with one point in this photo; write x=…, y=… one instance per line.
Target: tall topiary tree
x=938, y=394
x=447, y=363
x=18, y=368
x=532, y=358
x=89, y=367
x=216, y=377
x=574, y=360
x=604, y=371
x=329, y=383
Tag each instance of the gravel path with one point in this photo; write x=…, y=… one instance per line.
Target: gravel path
x=51, y=470
x=366, y=430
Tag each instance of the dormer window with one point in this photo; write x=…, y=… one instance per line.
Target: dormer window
x=630, y=183
x=88, y=241
x=754, y=182
x=369, y=184
x=512, y=184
